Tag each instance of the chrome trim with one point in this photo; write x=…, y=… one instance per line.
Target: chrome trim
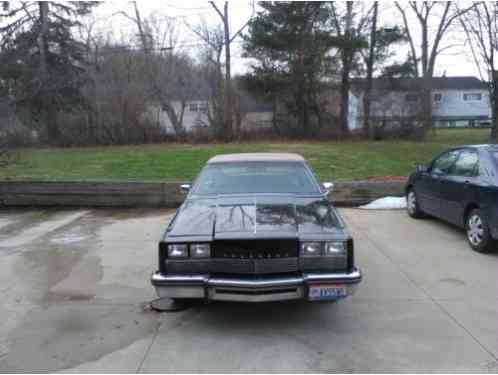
x=254, y=284
x=246, y=289
x=350, y=277
x=158, y=279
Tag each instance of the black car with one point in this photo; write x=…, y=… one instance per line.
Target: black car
x=460, y=186
x=254, y=228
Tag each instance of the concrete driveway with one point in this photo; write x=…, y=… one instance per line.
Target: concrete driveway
x=74, y=286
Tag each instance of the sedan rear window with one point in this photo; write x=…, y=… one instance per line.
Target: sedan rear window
x=255, y=177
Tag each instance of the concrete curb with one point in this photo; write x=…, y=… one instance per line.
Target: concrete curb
x=155, y=194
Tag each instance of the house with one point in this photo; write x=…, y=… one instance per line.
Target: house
x=456, y=101
x=196, y=103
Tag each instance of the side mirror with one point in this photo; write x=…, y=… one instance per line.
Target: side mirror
x=328, y=187
x=185, y=187
x=421, y=168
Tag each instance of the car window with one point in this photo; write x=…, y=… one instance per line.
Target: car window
x=467, y=164
x=255, y=177
x=443, y=163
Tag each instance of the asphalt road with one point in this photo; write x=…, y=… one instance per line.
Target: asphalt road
x=74, y=291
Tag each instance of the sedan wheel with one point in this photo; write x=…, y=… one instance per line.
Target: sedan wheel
x=478, y=233
x=475, y=231
x=412, y=204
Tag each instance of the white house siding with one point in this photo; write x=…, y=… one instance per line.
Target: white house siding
x=388, y=104
x=195, y=118
x=254, y=121
x=453, y=105
x=191, y=118
x=354, y=106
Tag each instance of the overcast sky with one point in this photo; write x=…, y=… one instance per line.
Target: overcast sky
x=456, y=61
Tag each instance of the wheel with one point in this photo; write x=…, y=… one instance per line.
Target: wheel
x=478, y=232
x=412, y=206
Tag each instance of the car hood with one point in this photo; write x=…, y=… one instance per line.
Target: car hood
x=248, y=216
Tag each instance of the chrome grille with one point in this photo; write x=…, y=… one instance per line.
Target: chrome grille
x=255, y=249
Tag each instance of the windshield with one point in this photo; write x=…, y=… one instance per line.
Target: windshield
x=255, y=177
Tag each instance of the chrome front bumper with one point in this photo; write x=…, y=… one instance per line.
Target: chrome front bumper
x=240, y=289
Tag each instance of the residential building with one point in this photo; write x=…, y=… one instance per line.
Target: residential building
x=456, y=101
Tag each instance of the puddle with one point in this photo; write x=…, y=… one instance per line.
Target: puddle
x=453, y=281
x=80, y=283
x=68, y=238
x=25, y=235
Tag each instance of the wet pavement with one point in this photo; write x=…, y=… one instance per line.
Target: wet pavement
x=74, y=290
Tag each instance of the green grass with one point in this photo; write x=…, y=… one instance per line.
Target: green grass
x=180, y=162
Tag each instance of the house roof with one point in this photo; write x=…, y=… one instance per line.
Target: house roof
x=262, y=156
x=409, y=84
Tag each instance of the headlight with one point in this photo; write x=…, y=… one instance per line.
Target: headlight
x=177, y=250
x=200, y=250
x=311, y=249
x=335, y=248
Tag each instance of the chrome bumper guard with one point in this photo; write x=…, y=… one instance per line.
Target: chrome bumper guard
x=262, y=289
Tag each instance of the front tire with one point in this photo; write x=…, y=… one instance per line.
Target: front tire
x=412, y=206
x=478, y=234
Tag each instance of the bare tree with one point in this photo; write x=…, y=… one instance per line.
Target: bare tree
x=157, y=36
x=228, y=39
x=211, y=68
x=481, y=28
x=424, y=58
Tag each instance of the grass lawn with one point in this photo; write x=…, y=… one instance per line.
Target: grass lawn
x=181, y=162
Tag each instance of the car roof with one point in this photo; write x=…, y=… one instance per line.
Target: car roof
x=480, y=146
x=259, y=156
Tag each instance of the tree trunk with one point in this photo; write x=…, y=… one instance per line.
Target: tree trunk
x=367, y=99
x=228, y=78
x=343, y=116
x=494, y=108
x=48, y=103
x=426, y=108
x=346, y=69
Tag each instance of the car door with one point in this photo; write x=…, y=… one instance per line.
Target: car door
x=429, y=185
x=456, y=186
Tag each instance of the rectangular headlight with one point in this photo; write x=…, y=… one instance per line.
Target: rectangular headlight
x=311, y=249
x=177, y=250
x=333, y=248
x=200, y=250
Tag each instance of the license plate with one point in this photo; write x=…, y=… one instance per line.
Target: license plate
x=327, y=292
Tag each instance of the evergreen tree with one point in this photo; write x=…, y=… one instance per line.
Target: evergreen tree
x=291, y=42
x=42, y=65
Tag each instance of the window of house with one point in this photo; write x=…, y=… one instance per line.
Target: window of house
x=472, y=96
x=411, y=97
x=203, y=107
x=438, y=97
x=192, y=107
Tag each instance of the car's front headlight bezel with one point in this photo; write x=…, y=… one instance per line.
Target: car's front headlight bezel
x=334, y=248
x=200, y=250
x=178, y=251
x=196, y=250
x=313, y=249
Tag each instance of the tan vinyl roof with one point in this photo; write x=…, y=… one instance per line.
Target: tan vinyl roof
x=261, y=156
